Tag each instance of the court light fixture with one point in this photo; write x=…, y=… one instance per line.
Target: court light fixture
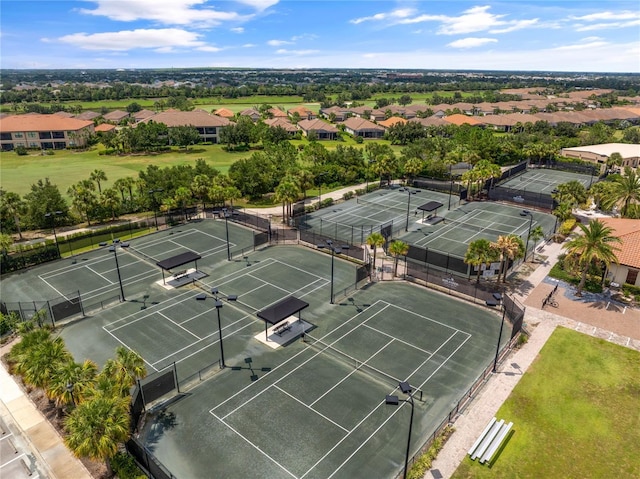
x=324, y=173
x=227, y=215
x=334, y=251
x=52, y=216
x=113, y=249
x=215, y=295
x=409, y=193
x=393, y=400
x=530, y=215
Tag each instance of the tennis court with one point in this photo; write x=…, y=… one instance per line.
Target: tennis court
x=316, y=408
x=474, y=221
x=542, y=180
x=354, y=220
x=182, y=329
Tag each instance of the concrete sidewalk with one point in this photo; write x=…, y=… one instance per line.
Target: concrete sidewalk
x=37, y=440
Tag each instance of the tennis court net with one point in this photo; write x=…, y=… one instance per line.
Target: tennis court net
x=374, y=373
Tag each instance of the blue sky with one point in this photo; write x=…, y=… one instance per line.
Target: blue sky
x=548, y=35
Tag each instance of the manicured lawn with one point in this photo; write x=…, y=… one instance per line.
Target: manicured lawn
x=66, y=167
x=575, y=414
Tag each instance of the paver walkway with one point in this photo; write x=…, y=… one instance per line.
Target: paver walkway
x=541, y=324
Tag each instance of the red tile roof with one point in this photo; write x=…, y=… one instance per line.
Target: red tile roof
x=458, y=119
x=105, y=127
x=629, y=232
x=185, y=118
x=38, y=122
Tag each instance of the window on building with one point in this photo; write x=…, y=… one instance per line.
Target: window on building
x=632, y=276
x=18, y=135
x=45, y=135
x=5, y=136
x=59, y=145
x=57, y=134
x=32, y=134
x=46, y=145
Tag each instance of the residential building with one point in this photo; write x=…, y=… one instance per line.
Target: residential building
x=225, y=113
x=363, y=128
x=278, y=113
x=251, y=113
x=88, y=115
x=322, y=130
x=208, y=125
x=335, y=112
x=391, y=121
x=628, y=253
x=45, y=132
x=115, y=116
x=283, y=123
x=303, y=111
x=599, y=154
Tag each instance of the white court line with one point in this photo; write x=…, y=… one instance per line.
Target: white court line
x=130, y=349
x=427, y=318
x=48, y=284
x=256, y=447
x=290, y=372
x=102, y=276
x=310, y=408
x=397, y=339
x=180, y=326
x=352, y=372
x=396, y=410
x=22, y=455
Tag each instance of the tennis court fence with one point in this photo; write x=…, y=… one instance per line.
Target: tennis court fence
x=46, y=312
x=542, y=201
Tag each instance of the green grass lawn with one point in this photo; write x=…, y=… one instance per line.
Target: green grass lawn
x=66, y=167
x=575, y=414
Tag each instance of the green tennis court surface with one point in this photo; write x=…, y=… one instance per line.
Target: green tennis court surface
x=354, y=220
x=473, y=221
x=540, y=180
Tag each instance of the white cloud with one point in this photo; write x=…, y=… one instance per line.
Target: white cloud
x=209, y=48
x=284, y=51
x=624, y=15
x=130, y=39
x=304, y=36
x=471, y=42
x=476, y=19
x=585, y=44
x=279, y=43
x=518, y=25
x=259, y=5
x=249, y=45
x=607, y=26
x=166, y=12
x=237, y=30
x=394, y=14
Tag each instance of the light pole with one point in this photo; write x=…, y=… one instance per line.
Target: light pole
x=113, y=249
x=320, y=188
x=153, y=204
x=218, y=305
x=226, y=227
x=369, y=163
x=52, y=216
x=391, y=400
x=450, y=187
x=334, y=251
x=409, y=193
x=69, y=387
x=495, y=361
x=530, y=215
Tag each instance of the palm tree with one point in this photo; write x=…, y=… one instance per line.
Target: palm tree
x=398, y=248
x=200, y=187
x=287, y=192
x=109, y=200
x=125, y=369
x=594, y=245
x=508, y=247
x=572, y=192
x=14, y=206
x=98, y=176
x=72, y=382
x=625, y=193
x=479, y=252
x=30, y=340
x=536, y=235
x=374, y=241
x=183, y=197
x=97, y=427
x=42, y=360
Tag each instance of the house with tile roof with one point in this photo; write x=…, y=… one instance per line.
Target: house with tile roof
x=116, y=116
x=251, y=113
x=142, y=114
x=104, y=127
x=336, y=112
x=282, y=123
x=278, y=113
x=322, y=129
x=88, y=115
x=225, y=113
x=628, y=268
x=391, y=121
x=45, y=132
x=363, y=128
x=430, y=121
x=459, y=120
x=208, y=125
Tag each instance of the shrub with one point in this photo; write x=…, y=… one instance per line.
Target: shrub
x=567, y=226
x=8, y=322
x=348, y=195
x=125, y=467
x=423, y=463
x=326, y=202
x=20, y=150
x=359, y=139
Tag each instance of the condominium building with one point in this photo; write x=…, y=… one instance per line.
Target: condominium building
x=46, y=132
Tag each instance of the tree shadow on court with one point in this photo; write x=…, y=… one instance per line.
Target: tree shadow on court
x=159, y=423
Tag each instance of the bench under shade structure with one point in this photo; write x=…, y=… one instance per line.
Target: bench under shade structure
x=178, y=260
x=431, y=208
x=279, y=312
